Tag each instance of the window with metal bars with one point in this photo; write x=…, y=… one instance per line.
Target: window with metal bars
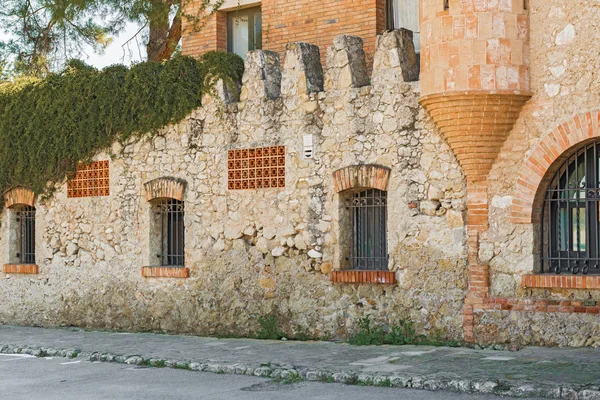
x=368, y=238
x=170, y=213
x=570, y=228
x=25, y=219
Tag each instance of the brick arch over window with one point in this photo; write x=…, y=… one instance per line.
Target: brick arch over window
x=361, y=177
x=162, y=188
x=19, y=196
x=543, y=161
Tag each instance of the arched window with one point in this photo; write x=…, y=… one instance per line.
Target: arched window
x=20, y=202
x=167, y=229
x=368, y=225
x=570, y=241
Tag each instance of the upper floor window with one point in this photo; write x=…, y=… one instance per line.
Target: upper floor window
x=570, y=230
x=405, y=14
x=23, y=246
x=368, y=236
x=169, y=219
x=244, y=30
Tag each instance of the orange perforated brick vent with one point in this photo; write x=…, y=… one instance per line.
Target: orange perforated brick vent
x=90, y=180
x=258, y=168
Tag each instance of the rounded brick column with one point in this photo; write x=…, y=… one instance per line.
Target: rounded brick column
x=474, y=75
x=474, y=83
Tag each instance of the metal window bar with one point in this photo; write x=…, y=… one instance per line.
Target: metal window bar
x=570, y=229
x=368, y=244
x=26, y=235
x=172, y=252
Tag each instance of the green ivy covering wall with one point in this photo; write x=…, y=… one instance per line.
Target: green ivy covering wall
x=48, y=126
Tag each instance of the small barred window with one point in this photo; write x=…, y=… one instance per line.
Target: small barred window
x=90, y=180
x=23, y=235
x=169, y=219
x=368, y=238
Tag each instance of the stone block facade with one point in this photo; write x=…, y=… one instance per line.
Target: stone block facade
x=464, y=172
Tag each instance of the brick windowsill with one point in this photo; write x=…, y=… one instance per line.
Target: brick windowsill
x=351, y=276
x=24, y=269
x=561, y=281
x=165, y=272
x=532, y=305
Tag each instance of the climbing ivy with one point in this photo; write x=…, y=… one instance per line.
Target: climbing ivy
x=48, y=126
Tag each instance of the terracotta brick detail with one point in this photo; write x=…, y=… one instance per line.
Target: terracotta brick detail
x=90, y=180
x=19, y=196
x=475, y=125
x=552, y=306
x=259, y=168
x=543, y=161
x=361, y=177
x=351, y=276
x=164, y=188
x=561, y=281
x=165, y=272
x=29, y=269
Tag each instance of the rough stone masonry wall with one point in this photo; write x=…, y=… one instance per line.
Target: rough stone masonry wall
x=564, y=66
x=268, y=251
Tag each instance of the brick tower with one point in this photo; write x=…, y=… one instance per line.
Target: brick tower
x=474, y=83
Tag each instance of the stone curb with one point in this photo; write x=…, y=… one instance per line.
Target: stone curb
x=290, y=374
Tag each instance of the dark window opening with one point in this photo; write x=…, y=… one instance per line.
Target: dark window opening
x=571, y=216
x=26, y=235
x=244, y=31
x=368, y=239
x=526, y=5
x=446, y=5
x=172, y=232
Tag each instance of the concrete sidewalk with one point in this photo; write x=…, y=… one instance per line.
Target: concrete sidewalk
x=531, y=372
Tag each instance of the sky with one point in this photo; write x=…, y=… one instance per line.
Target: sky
x=116, y=52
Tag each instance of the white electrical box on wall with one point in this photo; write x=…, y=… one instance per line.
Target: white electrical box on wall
x=307, y=147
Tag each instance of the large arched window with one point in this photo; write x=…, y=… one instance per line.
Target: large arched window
x=570, y=241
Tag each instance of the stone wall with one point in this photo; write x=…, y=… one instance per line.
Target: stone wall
x=271, y=251
x=263, y=252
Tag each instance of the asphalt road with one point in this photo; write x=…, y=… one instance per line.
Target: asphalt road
x=25, y=377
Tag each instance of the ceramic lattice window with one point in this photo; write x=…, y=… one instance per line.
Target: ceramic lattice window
x=90, y=180
x=258, y=168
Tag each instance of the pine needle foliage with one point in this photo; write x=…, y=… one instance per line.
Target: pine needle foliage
x=48, y=126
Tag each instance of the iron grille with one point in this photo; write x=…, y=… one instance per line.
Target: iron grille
x=571, y=216
x=26, y=235
x=369, y=232
x=172, y=249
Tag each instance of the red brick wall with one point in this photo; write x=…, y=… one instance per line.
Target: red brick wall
x=319, y=21
x=312, y=21
x=213, y=36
